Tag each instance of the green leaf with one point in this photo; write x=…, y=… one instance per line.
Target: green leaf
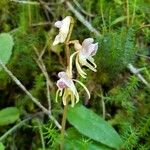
x=119, y=19
x=74, y=138
x=6, y=45
x=93, y=126
x=2, y=147
x=8, y=115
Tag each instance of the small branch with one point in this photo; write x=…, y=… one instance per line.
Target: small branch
x=147, y=57
x=44, y=71
x=137, y=73
x=25, y=2
x=82, y=19
x=36, y=101
x=41, y=24
x=82, y=10
x=103, y=106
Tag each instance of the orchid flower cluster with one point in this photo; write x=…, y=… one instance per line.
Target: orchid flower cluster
x=84, y=57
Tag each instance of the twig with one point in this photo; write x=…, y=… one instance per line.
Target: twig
x=82, y=19
x=36, y=101
x=41, y=24
x=147, y=57
x=137, y=73
x=82, y=10
x=103, y=106
x=44, y=71
x=25, y=2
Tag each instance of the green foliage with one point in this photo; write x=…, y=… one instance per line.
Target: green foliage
x=83, y=120
x=115, y=93
x=122, y=95
x=74, y=138
x=9, y=115
x=116, y=51
x=2, y=147
x=6, y=45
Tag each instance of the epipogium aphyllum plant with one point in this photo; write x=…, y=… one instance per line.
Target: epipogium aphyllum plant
x=83, y=57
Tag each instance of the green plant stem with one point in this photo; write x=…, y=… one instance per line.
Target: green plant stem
x=102, y=14
x=63, y=126
x=127, y=11
x=133, y=15
x=41, y=135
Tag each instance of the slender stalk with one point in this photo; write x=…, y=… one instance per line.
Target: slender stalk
x=102, y=14
x=67, y=51
x=41, y=134
x=133, y=15
x=63, y=124
x=103, y=106
x=29, y=13
x=128, y=13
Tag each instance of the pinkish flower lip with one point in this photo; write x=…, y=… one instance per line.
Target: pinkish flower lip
x=61, y=84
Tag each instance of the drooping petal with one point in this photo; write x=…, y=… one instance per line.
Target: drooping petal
x=70, y=63
x=90, y=66
x=72, y=99
x=65, y=96
x=77, y=96
x=80, y=71
x=57, y=93
x=91, y=60
x=87, y=91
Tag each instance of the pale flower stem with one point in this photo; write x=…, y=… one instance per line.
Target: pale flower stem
x=36, y=101
x=67, y=51
x=63, y=124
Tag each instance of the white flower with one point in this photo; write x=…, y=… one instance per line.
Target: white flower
x=67, y=88
x=63, y=26
x=85, y=53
